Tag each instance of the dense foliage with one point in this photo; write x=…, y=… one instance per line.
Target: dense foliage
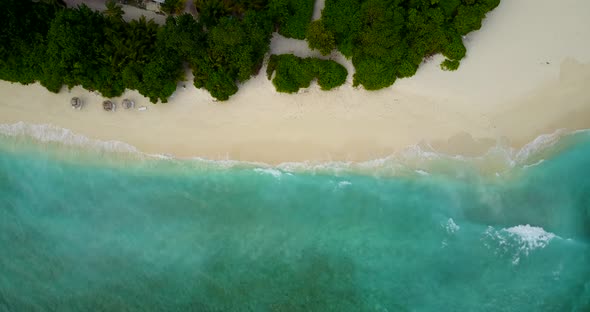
x=23, y=33
x=211, y=11
x=318, y=38
x=292, y=72
x=292, y=16
x=172, y=6
x=386, y=39
x=59, y=46
x=233, y=52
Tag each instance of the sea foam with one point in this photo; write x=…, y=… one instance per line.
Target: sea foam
x=531, y=237
x=47, y=133
x=417, y=159
x=517, y=241
x=450, y=226
x=343, y=184
x=269, y=171
x=538, y=145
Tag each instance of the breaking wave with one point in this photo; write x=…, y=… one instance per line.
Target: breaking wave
x=46, y=133
x=517, y=241
x=416, y=160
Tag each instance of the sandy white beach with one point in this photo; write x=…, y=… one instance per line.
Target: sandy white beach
x=527, y=72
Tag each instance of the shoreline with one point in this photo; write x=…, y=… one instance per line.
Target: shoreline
x=499, y=161
x=501, y=94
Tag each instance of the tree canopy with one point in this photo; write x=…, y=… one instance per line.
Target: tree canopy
x=292, y=73
x=172, y=6
x=292, y=16
x=386, y=39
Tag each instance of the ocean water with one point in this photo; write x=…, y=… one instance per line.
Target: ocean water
x=99, y=227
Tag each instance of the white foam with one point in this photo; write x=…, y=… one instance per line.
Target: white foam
x=163, y=156
x=270, y=171
x=535, y=164
x=450, y=226
x=228, y=163
x=417, y=151
x=343, y=184
x=531, y=237
x=538, y=145
x=414, y=159
x=581, y=131
x=48, y=133
x=518, y=241
x=334, y=167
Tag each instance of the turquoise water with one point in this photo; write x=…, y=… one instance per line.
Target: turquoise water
x=97, y=231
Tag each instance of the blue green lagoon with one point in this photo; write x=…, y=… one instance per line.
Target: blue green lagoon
x=98, y=226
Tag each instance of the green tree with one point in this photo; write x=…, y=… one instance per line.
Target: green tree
x=449, y=64
x=329, y=73
x=75, y=38
x=23, y=32
x=234, y=51
x=185, y=35
x=292, y=73
x=211, y=11
x=468, y=18
x=172, y=6
x=386, y=39
x=319, y=38
x=342, y=18
x=293, y=16
x=113, y=10
x=55, y=3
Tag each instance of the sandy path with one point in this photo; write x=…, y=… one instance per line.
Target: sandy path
x=131, y=12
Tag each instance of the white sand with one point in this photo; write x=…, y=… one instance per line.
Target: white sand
x=131, y=12
x=504, y=89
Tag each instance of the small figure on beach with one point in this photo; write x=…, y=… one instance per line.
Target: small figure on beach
x=109, y=106
x=128, y=104
x=76, y=103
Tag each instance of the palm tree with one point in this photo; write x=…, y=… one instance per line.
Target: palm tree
x=113, y=10
x=172, y=6
x=132, y=45
x=55, y=3
x=239, y=7
x=210, y=11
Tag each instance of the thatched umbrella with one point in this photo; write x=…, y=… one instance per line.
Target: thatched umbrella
x=127, y=104
x=109, y=106
x=76, y=103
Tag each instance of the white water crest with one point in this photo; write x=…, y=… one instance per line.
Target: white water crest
x=531, y=237
x=48, y=133
x=517, y=241
x=269, y=171
x=450, y=226
x=416, y=159
x=538, y=145
x=535, y=164
x=343, y=184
